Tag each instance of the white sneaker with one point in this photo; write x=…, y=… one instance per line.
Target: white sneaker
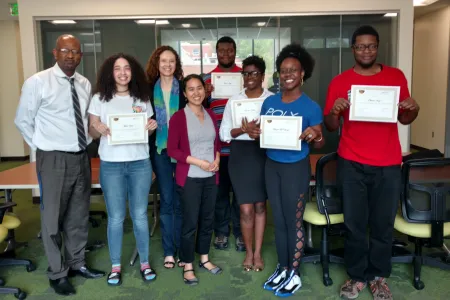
x=276, y=279
x=289, y=286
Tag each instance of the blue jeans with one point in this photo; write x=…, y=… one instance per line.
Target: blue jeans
x=170, y=207
x=119, y=181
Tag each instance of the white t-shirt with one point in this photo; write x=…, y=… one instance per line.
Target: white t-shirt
x=120, y=105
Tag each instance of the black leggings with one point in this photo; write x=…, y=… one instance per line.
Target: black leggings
x=287, y=185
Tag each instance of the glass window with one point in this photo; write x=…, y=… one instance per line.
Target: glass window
x=84, y=31
x=313, y=31
x=327, y=38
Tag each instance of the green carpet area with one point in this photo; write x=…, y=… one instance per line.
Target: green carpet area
x=232, y=283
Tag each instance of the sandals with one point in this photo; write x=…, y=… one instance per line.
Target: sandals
x=190, y=281
x=169, y=264
x=214, y=271
x=180, y=263
x=148, y=274
x=260, y=267
x=247, y=266
x=114, y=279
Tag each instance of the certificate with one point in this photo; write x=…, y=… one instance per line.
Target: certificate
x=127, y=129
x=226, y=84
x=374, y=103
x=248, y=108
x=279, y=132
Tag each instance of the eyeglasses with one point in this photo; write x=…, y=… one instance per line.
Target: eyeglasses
x=252, y=74
x=288, y=71
x=67, y=51
x=362, y=47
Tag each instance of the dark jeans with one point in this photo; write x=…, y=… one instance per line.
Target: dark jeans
x=170, y=208
x=370, y=197
x=226, y=211
x=197, y=201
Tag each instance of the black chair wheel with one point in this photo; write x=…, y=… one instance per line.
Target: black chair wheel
x=20, y=295
x=327, y=281
x=31, y=268
x=418, y=285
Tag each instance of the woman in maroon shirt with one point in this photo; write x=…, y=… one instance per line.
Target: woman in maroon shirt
x=194, y=142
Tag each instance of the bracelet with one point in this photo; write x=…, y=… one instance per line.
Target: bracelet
x=319, y=140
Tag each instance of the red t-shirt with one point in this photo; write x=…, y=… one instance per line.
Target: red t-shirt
x=370, y=143
x=218, y=105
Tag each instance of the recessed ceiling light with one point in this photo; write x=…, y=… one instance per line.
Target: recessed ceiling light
x=145, y=21
x=162, y=22
x=89, y=33
x=261, y=24
x=423, y=2
x=63, y=22
x=186, y=25
x=390, y=15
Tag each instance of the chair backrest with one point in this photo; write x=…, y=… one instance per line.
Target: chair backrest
x=425, y=193
x=327, y=192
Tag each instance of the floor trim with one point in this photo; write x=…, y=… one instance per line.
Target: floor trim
x=15, y=158
x=418, y=148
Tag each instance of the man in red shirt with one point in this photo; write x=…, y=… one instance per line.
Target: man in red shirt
x=224, y=211
x=369, y=163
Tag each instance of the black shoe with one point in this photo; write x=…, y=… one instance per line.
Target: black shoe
x=62, y=286
x=221, y=242
x=87, y=273
x=240, y=246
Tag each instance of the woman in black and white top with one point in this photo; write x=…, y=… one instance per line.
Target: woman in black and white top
x=246, y=163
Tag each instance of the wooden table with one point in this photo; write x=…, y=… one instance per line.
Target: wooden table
x=25, y=178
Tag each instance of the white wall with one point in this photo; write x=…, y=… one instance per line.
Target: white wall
x=11, y=79
x=4, y=11
x=32, y=9
x=430, y=80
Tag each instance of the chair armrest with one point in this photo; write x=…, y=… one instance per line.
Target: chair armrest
x=4, y=207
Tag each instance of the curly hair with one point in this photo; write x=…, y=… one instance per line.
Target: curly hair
x=298, y=52
x=106, y=85
x=256, y=61
x=152, y=68
x=365, y=30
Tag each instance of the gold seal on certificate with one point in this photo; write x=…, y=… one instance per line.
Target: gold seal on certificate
x=278, y=132
x=226, y=84
x=127, y=129
x=248, y=108
x=371, y=103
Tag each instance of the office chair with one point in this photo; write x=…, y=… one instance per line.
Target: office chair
x=425, y=214
x=10, y=222
x=92, y=151
x=325, y=212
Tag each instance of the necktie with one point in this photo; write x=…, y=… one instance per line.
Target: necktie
x=82, y=142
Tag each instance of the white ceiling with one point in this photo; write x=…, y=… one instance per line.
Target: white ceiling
x=423, y=10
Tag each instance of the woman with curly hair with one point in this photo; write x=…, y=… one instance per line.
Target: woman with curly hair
x=164, y=73
x=287, y=172
x=125, y=170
